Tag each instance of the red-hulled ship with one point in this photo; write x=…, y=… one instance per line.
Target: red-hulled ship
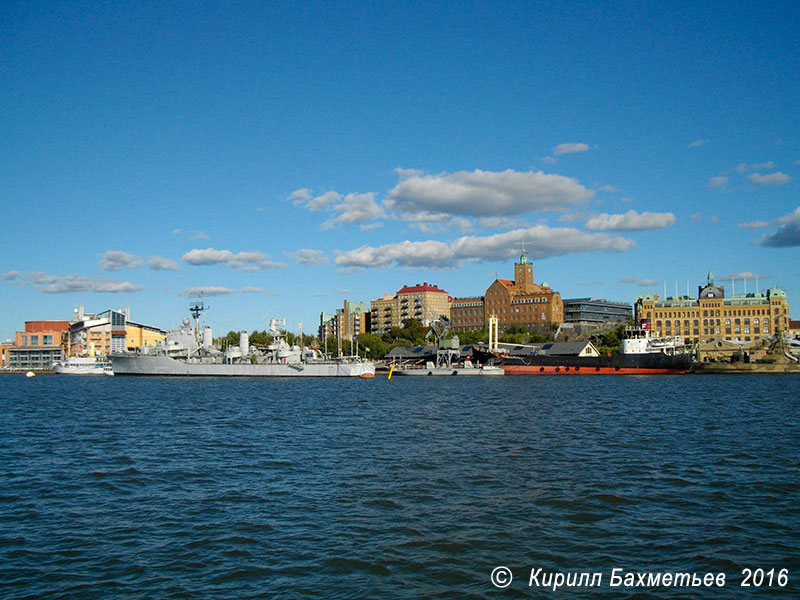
x=640, y=355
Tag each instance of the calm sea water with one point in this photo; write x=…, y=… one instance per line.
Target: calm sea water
x=409, y=488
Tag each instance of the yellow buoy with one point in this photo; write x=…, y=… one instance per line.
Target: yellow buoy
x=390, y=373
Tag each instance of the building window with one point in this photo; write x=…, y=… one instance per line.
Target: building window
x=33, y=340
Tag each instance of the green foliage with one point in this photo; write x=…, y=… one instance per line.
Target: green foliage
x=260, y=338
x=377, y=347
x=610, y=342
x=514, y=335
x=229, y=339
x=414, y=331
x=473, y=337
x=411, y=334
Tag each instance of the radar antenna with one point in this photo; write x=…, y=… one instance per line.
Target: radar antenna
x=196, y=309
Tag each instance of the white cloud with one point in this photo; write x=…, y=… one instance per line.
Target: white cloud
x=698, y=143
x=754, y=225
x=258, y=290
x=630, y=221
x=500, y=223
x=370, y=226
x=242, y=261
x=570, y=148
x=159, y=263
x=429, y=254
x=776, y=178
x=307, y=256
x=744, y=167
x=715, y=182
x=11, y=275
x=486, y=193
x=208, y=291
x=408, y=173
x=352, y=208
x=788, y=234
x=63, y=284
x=323, y=202
x=431, y=223
x=640, y=282
x=541, y=241
x=300, y=196
x=743, y=275
x=355, y=208
x=115, y=260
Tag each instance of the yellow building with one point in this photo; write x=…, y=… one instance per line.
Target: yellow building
x=424, y=302
x=107, y=332
x=712, y=316
x=384, y=313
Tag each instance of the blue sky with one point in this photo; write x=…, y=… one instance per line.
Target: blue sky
x=284, y=157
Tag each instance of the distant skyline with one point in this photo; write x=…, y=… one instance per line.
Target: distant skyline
x=281, y=159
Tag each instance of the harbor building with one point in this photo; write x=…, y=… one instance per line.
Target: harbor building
x=517, y=303
x=713, y=316
x=38, y=346
x=591, y=311
x=107, y=332
x=346, y=323
x=4, y=346
x=424, y=302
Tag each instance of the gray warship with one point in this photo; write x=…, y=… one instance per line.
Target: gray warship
x=187, y=351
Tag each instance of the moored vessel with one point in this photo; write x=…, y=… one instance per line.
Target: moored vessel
x=448, y=358
x=80, y=365
x=187, y=351
x=640, y=354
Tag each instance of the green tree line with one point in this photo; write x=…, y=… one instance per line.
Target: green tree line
x=413, y=333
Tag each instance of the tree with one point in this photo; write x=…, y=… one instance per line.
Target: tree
x=414, y=331
x=610, y=342
x=377, y=347
x=473, y=337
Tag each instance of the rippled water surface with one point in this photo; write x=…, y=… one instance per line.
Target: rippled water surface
x=409, y=488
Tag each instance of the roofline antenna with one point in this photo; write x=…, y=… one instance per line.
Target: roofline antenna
x=523, y=258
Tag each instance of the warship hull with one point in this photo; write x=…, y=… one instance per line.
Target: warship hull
x=124, y=365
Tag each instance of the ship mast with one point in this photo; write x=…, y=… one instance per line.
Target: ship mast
x=196, y=309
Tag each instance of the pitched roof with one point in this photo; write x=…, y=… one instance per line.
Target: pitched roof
x=424, y=287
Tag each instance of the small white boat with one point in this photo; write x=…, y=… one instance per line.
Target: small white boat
x=79, y=365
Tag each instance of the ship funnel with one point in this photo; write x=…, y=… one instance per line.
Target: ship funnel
x=244, y=343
